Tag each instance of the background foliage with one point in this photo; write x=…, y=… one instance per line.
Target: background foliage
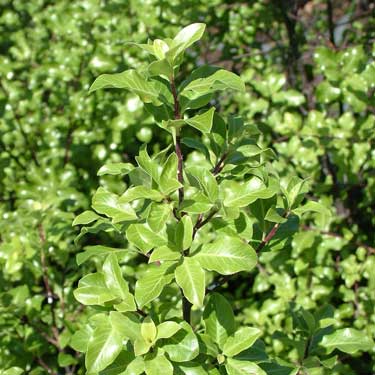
x=310, y=76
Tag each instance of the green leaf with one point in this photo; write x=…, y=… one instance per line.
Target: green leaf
x=312, y=206
x=153, y=282
x=104, y=346
x=241, y=194
x=98, y=250
x=168, y=178
x=240, y=341
x=218, y=319
x=140, y=192
x=85, y=217
x=227, y=255
x=202, y=122
x=326, y=93
x=81, y=338
x=220, y=80
x=108, y=204
x=184, y=233
x=164, y=253
x=191, y=278
x=149, y=91
x=235, y=367
x=185, y=38
x=144, y=238
x=128, y=323
x=167, y=329
x=204, y=180
x=348, y=340
x=92, y=290
x=158, y=365
x=115, y=169
x=116, y=283
x=148, y=330
x=158, y=216
x=136, y=367
x=182, y=346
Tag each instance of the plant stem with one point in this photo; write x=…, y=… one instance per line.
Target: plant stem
x=186, y=309
x=177, y=116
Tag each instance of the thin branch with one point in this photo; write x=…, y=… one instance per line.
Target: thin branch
x=270, y=234
x=220, y=164
x=177, y=116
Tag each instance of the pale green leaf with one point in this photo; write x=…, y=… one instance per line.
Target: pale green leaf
x=191, y=278
x=153, y=282
x=241, y=340
x=108, y=204
x=348, y=340
x=227, y=255
x=115, y=169
x=85, y=217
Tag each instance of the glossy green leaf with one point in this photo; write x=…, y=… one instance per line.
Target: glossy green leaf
x=153, y=282
x=218, y=319
x=190, y=276
x=236, y=367
x=167, y=329
x=108, y=204
x=143, y=237
x=348, y=340
x=227, y=255
x=202, y=122
x=116, y=283
x=115, y=169
x=158, y=365
x=182, y=346
x=241, y=340
x=92, y=290
x=85, y=217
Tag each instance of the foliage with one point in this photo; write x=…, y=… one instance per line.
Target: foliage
x=308, y=110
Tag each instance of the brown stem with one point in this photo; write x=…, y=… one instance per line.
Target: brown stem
x=270, y=234
x=220, y=164
x=200, y=223
x=45, y=366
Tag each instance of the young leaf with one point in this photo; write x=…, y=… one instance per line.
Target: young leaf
x=148, y=330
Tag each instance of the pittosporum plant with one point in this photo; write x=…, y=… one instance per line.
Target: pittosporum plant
x=192, y=216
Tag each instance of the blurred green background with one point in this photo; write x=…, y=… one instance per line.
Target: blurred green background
x=310, y=79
